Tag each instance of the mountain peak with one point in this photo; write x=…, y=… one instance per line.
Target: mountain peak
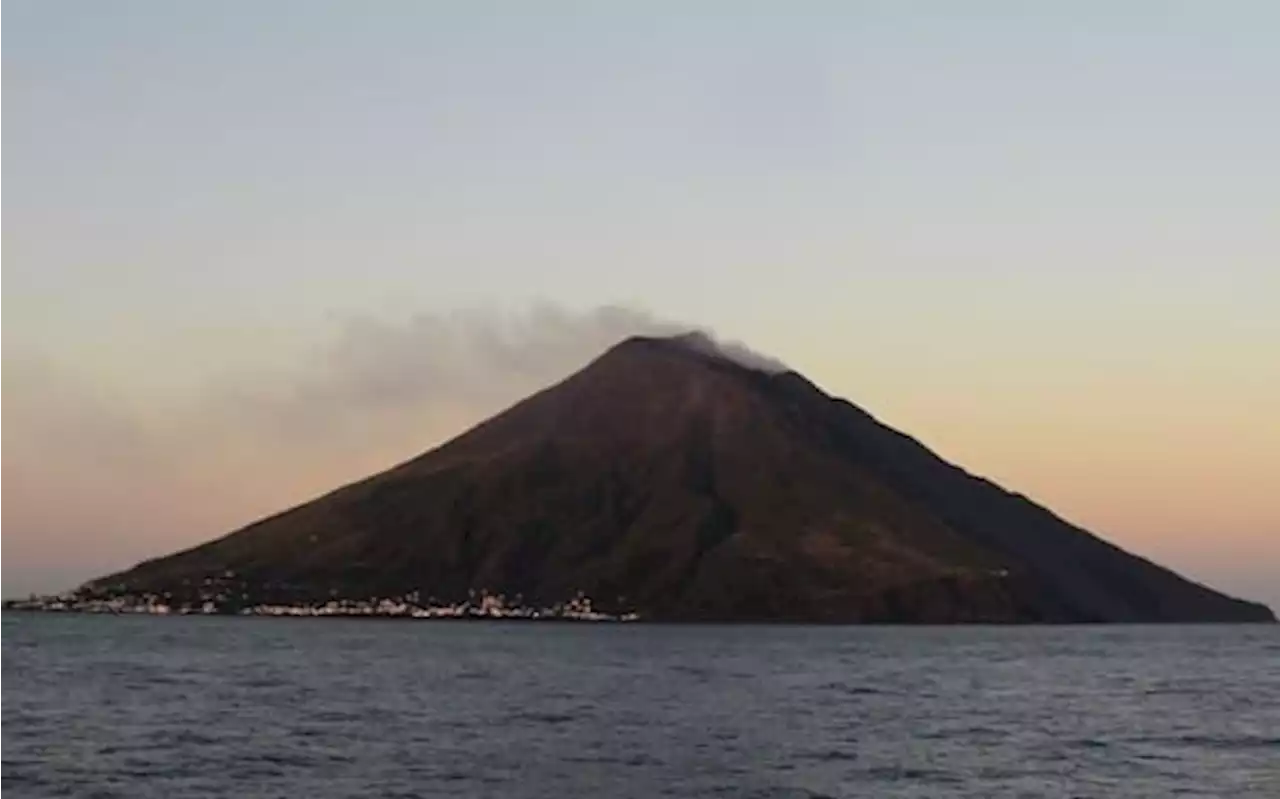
x=705, y=346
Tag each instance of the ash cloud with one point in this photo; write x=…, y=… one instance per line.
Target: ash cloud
x=479, y=360
x=472, y=356
x=96, y=481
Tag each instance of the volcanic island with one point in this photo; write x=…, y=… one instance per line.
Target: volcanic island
x=669, y=481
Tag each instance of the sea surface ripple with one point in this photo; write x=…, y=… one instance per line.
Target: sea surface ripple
x=143, y=707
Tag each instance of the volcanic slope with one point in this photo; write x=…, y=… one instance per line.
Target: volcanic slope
x=667, y=480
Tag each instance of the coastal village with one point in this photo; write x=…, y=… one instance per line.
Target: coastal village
x=479, y=605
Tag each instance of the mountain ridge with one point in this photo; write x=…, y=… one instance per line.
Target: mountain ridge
x=671, y=479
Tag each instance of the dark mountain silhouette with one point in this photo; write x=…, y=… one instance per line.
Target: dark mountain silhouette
x=667, y=479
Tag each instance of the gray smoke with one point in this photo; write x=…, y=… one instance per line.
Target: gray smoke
x=737, y=352
x=476, y=359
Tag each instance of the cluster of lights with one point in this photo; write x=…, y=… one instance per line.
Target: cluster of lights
x=479, y=605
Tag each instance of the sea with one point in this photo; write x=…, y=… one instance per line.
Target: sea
x=153, y=707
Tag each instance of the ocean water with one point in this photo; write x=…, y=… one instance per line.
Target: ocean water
x=143, y=707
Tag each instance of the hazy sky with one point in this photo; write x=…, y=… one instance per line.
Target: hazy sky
x=253, y=249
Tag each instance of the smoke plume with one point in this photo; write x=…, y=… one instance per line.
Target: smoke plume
x=701, y=341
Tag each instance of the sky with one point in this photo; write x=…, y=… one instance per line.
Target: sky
x=254, y=250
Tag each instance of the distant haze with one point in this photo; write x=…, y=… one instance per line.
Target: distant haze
x=241, y=239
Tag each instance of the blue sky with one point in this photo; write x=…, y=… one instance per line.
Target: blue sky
x=1008, y=227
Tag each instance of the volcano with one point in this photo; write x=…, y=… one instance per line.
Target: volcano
x=669, y=480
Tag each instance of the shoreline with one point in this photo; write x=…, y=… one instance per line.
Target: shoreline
x=643, y=621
